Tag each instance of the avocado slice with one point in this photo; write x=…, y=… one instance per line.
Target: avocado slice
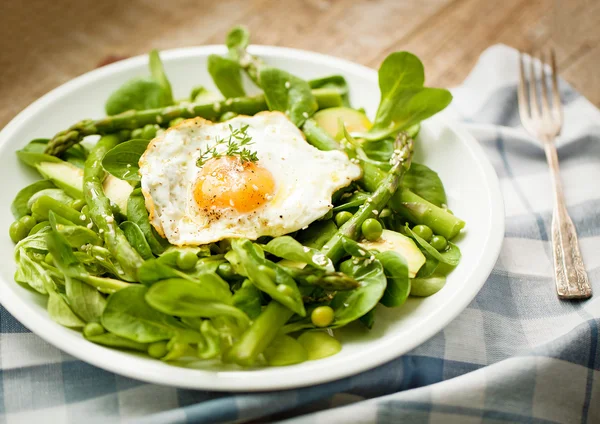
x=117, y=191
x=64, y=175
x=70, y=178
x=354, y=120
x=391, y=240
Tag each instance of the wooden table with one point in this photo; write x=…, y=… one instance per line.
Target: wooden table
x=46, y=43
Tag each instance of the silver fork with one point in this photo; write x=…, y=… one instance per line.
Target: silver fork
x=545, y=123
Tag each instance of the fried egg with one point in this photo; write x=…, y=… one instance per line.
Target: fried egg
x=288, y=187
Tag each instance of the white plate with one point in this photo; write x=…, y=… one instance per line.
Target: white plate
x=471, y=184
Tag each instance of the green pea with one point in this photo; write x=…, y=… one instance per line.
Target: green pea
x=423, y=231
x=386, y=212
x=28, y=221
x=149, y=131
x=225, y=270
x=342, y=217
x=439, y=243
x=92, y=329
x=38, y=227
x=137, y=133
x=49, y=259
x=174, y=122
x=371, y=229
x=17, y=231
x=157, y=349
x=187, y=260
x=77, y=204
x=322, y=316
x=285, y=290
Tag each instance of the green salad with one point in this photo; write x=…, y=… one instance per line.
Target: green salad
x=93, y=235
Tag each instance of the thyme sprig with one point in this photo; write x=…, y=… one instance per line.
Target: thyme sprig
x=236, y=144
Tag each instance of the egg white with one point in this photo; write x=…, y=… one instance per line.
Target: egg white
x=305, y=179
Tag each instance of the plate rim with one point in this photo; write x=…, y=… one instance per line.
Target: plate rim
x=113, y=361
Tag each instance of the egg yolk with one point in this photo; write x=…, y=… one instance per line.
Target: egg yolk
x=227, y=182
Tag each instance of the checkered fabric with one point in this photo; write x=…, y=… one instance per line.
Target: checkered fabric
x=516, y=354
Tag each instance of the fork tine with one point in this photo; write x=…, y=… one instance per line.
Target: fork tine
x=535, y=108
x=544, y=87
x=556, y=104
x=522, y=95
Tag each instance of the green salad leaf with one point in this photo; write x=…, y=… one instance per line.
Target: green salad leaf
x=288, y=94
x=142, y=93
x=122, y=161
x=227, y=76
x=20, y=205
x=404, y=100
x=287, y=247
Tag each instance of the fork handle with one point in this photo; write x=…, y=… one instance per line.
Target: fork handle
x=569, y=272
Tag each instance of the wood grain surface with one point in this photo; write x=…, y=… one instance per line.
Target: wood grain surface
x=46, y=43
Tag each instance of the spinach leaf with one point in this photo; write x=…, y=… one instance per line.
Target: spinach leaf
x=136, y=94
x=426, y=183
x=34, y=158
x=122, y=160
x=423, y=287
x=351, y=305
x=451, y=256
x=20, y=206
x=237, y=41
x=368, y=319
x=353, y=201
x=157, y=71
x=289, y=94
x=55, y=193
x=398, y=283
x=136, y=238
x=247, y=298
x=336, y=82
x=112, y=340
x=227, y=76
x=404, y=100
x=317, y=234
x=267, y=276
x=352, y=248
x=154, y=270
x=137, y=213
x=85, y=300
x=142, y=93
x=60, y=311
x=127, y=314
x=203, y=299
x=76, y=155
x=287, y=247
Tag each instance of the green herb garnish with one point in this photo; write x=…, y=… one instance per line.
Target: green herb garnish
x=236, y=145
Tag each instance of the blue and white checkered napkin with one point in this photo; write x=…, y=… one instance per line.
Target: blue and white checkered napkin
x=516, y=354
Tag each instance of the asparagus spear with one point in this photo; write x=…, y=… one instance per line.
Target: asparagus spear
x=380, y=197
x=334, y=281
x=135, y=119
x=100, y=210
x=404, y=201
x=414, y=207
x=262, y=332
